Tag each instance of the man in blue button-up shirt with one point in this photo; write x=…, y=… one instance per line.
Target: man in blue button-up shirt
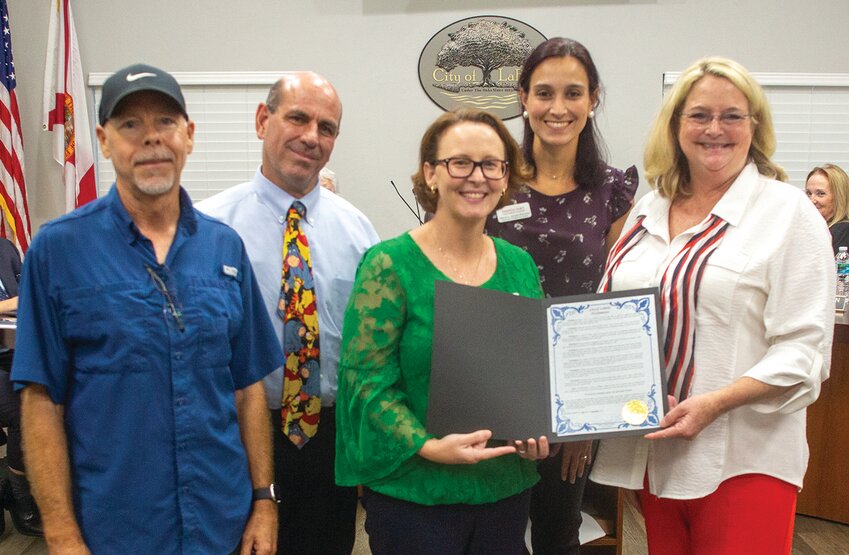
x=142, y=344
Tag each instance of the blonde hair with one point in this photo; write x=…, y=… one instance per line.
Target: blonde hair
x=839, y=183
x=666, y=166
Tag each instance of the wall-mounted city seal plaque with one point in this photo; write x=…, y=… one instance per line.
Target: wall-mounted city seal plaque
x=475, y=62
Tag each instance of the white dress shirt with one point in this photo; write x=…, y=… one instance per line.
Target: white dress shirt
x=766, y=311
x=338, y=235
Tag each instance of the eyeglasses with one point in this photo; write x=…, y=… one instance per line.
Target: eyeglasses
x=703, y=119
x=169, y=300
x=464, y=167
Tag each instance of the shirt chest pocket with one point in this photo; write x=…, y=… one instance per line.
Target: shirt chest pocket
x=333, y=299
x=107, y=327
x=217, y=305
x=719, y=289
x=636, y=269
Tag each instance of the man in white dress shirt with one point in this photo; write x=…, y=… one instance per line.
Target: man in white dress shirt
x=298, y=125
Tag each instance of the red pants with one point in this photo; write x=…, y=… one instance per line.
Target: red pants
x=748, y=515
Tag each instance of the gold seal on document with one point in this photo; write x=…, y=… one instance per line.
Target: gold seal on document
x=635, y=412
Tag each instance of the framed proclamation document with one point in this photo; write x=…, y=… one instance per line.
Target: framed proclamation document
x=568, y=368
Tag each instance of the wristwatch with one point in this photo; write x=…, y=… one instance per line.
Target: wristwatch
x=268, y=492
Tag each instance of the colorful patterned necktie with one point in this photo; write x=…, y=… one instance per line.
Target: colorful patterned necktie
x=297, y=308
x=679, y=295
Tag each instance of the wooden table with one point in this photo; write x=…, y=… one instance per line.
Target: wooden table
x=826, y=491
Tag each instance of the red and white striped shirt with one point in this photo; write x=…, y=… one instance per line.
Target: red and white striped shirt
x=765, y=310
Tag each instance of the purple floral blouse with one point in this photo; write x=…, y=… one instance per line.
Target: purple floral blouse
x=565, y=234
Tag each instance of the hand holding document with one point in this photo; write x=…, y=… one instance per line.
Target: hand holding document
x=569, y=368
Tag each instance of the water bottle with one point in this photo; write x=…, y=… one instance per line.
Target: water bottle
x=842, y=263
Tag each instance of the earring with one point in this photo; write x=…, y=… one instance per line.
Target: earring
x=504, y=190
x=592, y=114
x=433, y=190
x=525, y=114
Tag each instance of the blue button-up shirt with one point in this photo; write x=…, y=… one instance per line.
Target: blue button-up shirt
x=157, y=463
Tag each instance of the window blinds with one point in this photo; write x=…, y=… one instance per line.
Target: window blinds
x=226, y=149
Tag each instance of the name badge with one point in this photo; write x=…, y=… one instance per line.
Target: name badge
x=513, y=212
x=230, y=271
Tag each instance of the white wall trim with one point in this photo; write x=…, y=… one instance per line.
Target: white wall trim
x=783, y=79
x=208, y=77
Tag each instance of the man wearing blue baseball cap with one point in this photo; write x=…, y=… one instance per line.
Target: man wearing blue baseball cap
x=142, y=343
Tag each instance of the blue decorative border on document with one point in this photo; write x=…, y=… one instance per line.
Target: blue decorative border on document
x=565, y=425
x=641, y=306
x=558, y=314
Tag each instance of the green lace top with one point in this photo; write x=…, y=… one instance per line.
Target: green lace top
x=384, y=378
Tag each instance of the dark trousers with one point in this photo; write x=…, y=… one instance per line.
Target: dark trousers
x=556, y=510
x=316, y=515
x=10, y=414
x=397, y=527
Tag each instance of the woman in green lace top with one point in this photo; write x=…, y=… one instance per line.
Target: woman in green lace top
x=424, y=494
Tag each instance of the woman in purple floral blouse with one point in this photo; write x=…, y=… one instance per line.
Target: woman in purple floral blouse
x=567, y=217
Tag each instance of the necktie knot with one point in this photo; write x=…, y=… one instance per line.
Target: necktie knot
x=297, y=210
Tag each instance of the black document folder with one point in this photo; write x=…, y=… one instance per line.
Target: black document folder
x=490, y=367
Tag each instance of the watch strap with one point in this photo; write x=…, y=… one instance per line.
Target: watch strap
x=268, y=492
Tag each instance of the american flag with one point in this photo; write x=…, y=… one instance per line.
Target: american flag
x=13, y=190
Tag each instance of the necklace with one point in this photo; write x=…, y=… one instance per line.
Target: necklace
x=553, y=177
x=461, y=277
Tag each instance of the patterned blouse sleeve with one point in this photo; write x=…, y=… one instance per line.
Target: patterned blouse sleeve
x=377, y=431
x=624, y=186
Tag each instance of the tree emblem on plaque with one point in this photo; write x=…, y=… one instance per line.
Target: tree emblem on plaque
x=489, y=46
x=476, y=63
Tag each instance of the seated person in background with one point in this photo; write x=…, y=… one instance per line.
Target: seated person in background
x=828, y=188
x=327, y=178
x=14, y=490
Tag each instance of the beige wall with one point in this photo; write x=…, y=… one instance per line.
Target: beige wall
x=370, y=50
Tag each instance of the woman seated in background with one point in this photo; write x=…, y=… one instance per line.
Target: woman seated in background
x=14, y=489
x=426, y=494
x=573, y=209
x=828, y=188
x=746, y=284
